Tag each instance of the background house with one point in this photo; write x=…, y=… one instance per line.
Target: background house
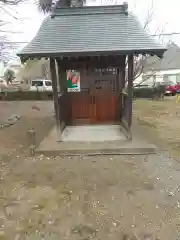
x=165, y=69
x=34, y=69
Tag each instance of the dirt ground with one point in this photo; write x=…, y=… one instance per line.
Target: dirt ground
x=37, y=115
x=83, y=198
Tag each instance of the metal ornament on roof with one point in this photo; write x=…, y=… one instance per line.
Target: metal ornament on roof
x=45, y=5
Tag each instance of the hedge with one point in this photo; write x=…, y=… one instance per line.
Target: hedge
x=144, y=92
x=149, y=92
x=25, y=95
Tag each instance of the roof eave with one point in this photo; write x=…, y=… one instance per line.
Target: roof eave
x=157, y=52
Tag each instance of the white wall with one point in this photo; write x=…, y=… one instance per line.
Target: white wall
x=159, y=76
x=172, y=71
x=2, y=69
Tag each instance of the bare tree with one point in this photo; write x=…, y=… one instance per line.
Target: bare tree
x=11, y=2
x=7, y=11
x=9, y=75
x=141, y=60
x=45, y=69
x=4, y=48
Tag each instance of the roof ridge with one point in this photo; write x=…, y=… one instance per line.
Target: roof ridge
x=89, y=10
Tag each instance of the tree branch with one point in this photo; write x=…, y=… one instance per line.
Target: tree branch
x=11, y=2
x=140, y=61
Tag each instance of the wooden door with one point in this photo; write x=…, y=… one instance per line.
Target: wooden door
x=80, y=107
x=92, y=108
x=81, y=103
x=104, y=100
x=97, y=101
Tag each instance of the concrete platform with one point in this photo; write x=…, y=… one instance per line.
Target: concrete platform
x=92, y=133
x=93, y=140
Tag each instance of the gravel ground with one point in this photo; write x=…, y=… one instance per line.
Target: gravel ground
x=82, y=198
x=90, y=198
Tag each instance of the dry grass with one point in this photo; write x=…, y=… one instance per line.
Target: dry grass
x=162, y=116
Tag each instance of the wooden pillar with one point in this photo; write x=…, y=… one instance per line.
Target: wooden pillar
x=122, y=75
x=55, y=95
x=59, y=78
x=123, y=72
x=118, y=92
x=118, y=81
x=64, y=105
x=130, y=89
x=62, y=77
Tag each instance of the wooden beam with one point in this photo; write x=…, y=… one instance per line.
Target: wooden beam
x=94, y=62
x=55, y=95
x=130, y=89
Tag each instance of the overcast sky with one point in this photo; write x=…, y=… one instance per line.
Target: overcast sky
x=165, y=17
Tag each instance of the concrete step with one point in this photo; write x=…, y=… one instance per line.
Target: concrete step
x=97, y=148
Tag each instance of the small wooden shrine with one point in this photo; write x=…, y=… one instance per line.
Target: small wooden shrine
x=91, y=52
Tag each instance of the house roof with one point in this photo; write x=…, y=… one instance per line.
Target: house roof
x=170, y=60
x=96, y=30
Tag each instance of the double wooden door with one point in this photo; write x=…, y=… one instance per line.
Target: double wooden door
x=96, y=103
